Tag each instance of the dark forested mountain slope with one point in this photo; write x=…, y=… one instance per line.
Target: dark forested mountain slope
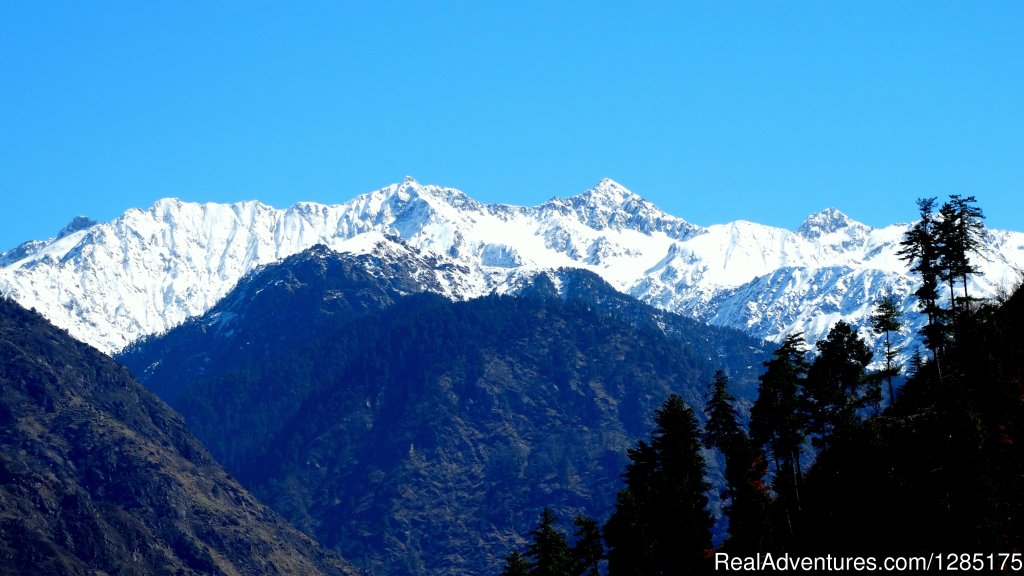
x=425, y=436
x=98, y=476
x=727, y=347
x=278, y=308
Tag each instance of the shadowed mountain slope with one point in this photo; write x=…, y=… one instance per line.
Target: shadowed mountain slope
x=98, y=476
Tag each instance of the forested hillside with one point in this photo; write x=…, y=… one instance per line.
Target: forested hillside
x=417, y=435
x=98, y=476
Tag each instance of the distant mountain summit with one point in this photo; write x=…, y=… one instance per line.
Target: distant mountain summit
x=149, y=270
x=825, y=222
x=26, y=249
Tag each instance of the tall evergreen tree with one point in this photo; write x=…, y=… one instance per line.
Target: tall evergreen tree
x=661, y=524
x=777, y=422
x=920, y=249
x=837, y=386
x=629, y=532
x=723, y=424
x=745, y=466
x=958, y=234
x=548, y=550
x=949, y=260
x=884, y=320
x=516, y=565
x=915, y=363
x=587, y=551
x=749, y=527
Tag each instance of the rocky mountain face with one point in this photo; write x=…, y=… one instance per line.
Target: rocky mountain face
x=98, y=476
x=417, y=435
x=150, y=270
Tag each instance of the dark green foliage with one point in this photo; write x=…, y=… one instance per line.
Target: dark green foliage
x=939, y=469
x=661, y=524
x=745, y=468
x=628, y=532
x=837, y=387
x=920, y=250
x=943, y=467
x=588, y=551
x=887, y=319
x=937, y=247
x=548, y=550
x=775, y=417
x=516, y=565
x=549, y=553
x=748, y=509
x=777, y=422
x=958, y=234
x=723, y=426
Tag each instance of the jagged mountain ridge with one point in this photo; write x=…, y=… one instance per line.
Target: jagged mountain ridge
x=149, y=270
x=98, y=476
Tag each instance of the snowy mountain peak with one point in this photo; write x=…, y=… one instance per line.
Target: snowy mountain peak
x=826, y=222
x=609, y=205
x=610, y=193
x=164, y=205
x=76, y=224
x=33, y=247
x=410, y=186
x=612, y=185
x=410, y=190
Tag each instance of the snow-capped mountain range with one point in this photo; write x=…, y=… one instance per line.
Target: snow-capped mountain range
x=149, y=270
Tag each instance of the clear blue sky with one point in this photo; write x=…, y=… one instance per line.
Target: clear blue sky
x=714, y=111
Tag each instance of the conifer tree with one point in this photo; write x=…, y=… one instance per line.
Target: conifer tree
x=548, y=550
x=745, y=468
x=920, y=250
x=945, y=242
x=958, y=234
x=516, y=565
x=661, y=524
x=723, y=424
x=777, y=422
x=885, y=320
x=629, y=531
x=588, y=551
x=837, y=386
x=915, y=363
